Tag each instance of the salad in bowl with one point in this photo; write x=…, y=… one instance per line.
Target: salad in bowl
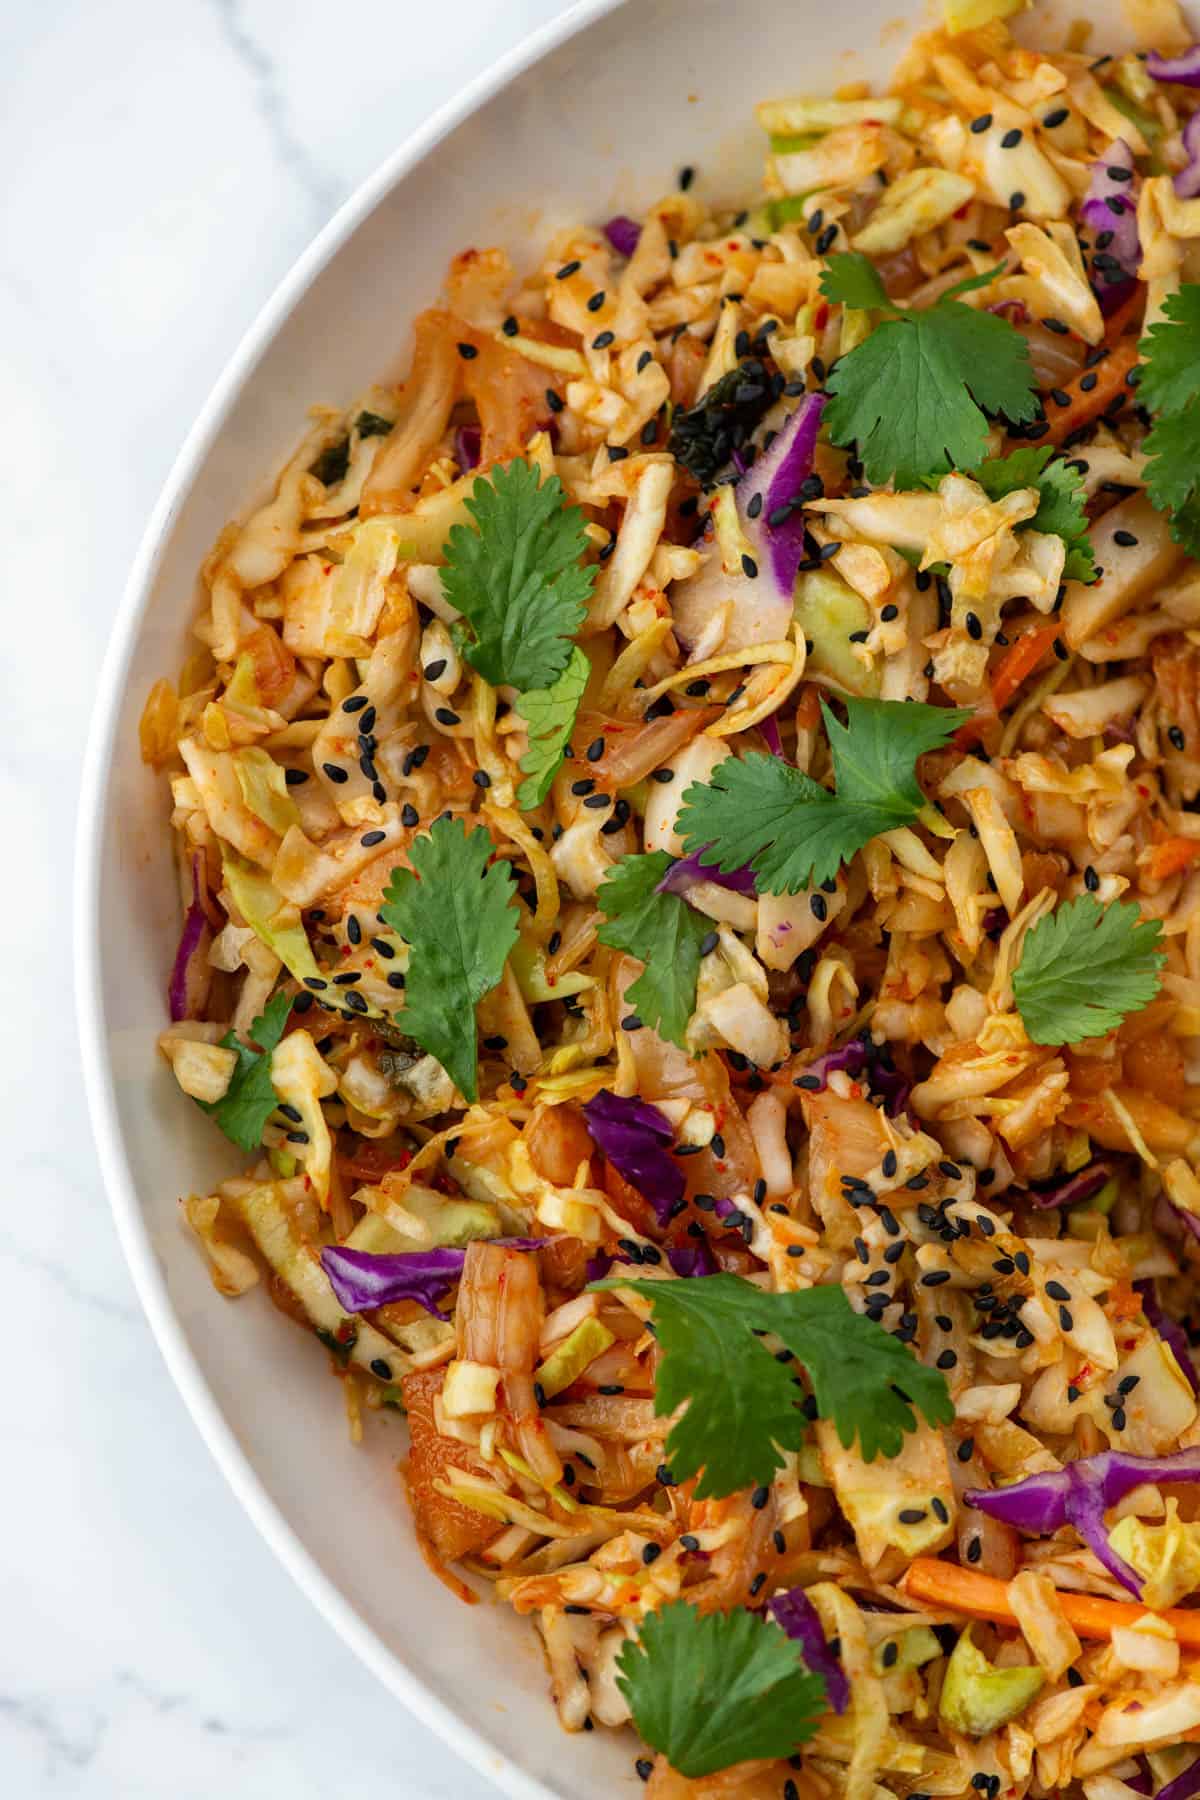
x=685, y=811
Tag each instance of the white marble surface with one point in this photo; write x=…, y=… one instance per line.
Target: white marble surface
x=165, y=161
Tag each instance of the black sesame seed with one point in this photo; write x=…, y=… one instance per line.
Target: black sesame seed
x=938, y=1508
x=444, y=716
x=603, y=339
x=947, y=1359
x=982, y=123
x=974, y=626
x=1011, y=139
x=1176, y=737
x=826, y=241
x=749, y=567
x=595, y=301
x=1016, y=201
x=966, y=1450
x=1091, y=880
x=911, y=1515
x=335, y=774
x=709, y=942
x=554, y=401
x=510, y=328
x=295, y=777
x=570, y=268
x=1059, y=116
x=935, y=1278
x=409, y=816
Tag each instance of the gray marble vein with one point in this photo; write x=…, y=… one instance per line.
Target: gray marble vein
x=295, y=156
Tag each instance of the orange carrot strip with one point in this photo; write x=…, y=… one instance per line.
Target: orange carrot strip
x=983, y=1597
x=1172, y=855
x=1106, y=381
x=1021, y=660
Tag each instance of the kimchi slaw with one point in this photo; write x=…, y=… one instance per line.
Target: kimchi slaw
x=685, y=811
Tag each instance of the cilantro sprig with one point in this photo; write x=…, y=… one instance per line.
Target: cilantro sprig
x=249, y=1100
x=1170, y=386
x=743, y=1405
x=712, y=1689
x=1061, y=496
x=1084, y=968
x=662, y=931
x=518, y=579
x=790, y=829
x=550, y=715
x=914, y=396
x=455, y=913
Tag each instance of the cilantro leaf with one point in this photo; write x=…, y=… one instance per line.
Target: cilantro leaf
x=550, y=715
x=790, y=829
x=1084, y=967
x=852, y=278
x=743, y=1407
x=1170, y=378
x=1169, y=386
x=1061, y=501
x=249, y=1100
x=518, y=579
x=662, y=931
x=913, y=395
x=370, y=424
x=712, y=1689
x=456, y=915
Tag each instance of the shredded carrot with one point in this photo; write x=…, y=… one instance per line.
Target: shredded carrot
x=1170, y=856
x=808, y=708
x=983, y=1597
x=1020, y=661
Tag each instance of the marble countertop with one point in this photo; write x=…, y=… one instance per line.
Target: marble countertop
x=165, y=163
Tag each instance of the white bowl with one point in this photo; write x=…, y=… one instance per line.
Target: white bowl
x=595, y=113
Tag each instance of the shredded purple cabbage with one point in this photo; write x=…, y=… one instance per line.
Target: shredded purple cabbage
x=776, y=529
x=1079, y=1495
x=770, y=730
x=854, y=1058
x=1182, y=1787
x=632, y=1133
x=190, y=973
x=363, y=1279
x=1169, y=1330
x=1110, y=208
x=795, y=1613
x=687, y=1261
x=1075, y=1189
x=691, y=1260
x=1184, y=70
x=1174, y=1220
x=623, y=234
x=1187, y=181
x=468, y=443
x=689, y=870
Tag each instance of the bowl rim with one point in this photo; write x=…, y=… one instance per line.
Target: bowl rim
x=446, y=1722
